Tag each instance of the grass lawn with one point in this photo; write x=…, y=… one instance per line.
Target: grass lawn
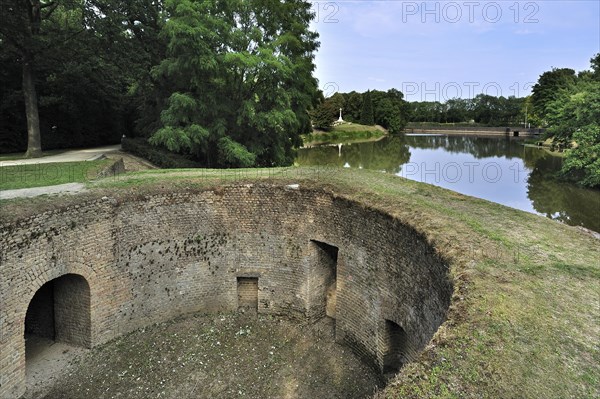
x=525, y=317
x=344, y=133
x=49, y=174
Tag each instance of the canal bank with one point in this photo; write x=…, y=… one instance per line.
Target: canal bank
x=500, y=169
x=515, y=131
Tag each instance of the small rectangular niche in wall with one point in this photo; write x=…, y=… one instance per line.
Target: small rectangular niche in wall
x=395, y=347
x=325, y=276
x=247, y=288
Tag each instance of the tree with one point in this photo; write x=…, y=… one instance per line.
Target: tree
x=390, y=109
x=20, y=29
x=528, y=112
x=457, y=110
x=90, y=71
x=12, y=117
x=366, y=112
x=131, y=30
x=337, y=101
x=595, y=61
x=575, y=116
x=489, y=109
x=77, y=60
x=353, y=107
x=241, y=80
x=547, y=87
x=322, y=116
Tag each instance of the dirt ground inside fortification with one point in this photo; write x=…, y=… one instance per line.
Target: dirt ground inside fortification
x=214, y=356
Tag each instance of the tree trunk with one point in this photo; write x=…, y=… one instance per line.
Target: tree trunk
x=34, y=146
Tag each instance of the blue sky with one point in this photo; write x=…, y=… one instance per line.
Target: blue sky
x=438, y=50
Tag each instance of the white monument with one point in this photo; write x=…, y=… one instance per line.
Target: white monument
x=340, y=119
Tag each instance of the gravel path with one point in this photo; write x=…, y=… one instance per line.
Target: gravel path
x=86, y=154
x=67, y=188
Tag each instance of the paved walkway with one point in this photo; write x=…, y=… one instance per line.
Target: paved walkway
x=86, y=154
x=68, y=188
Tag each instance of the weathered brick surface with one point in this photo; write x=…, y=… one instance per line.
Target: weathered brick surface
x=149, y=260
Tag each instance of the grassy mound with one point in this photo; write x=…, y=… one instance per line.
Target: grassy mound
x=524, y=320
x=344, y=133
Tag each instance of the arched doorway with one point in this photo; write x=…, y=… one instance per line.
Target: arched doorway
x=324, y=277
x=395, y=348
x=57, y=318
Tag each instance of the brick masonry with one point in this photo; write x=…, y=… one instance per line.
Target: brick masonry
x=131, y=263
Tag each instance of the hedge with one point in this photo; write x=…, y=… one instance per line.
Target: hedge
x=156, y=155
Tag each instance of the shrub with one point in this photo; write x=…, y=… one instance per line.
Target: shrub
x=156, y=155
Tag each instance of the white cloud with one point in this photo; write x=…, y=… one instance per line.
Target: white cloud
x=523, y=32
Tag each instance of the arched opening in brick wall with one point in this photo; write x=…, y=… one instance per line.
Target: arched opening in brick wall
x=325, y=276
x=338, y=270
x=58, y=317
x=395, y=348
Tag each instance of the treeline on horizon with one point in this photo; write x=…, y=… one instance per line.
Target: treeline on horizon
x=565, y=102
x=391, y=111
x=225, y=83
x=483, y=109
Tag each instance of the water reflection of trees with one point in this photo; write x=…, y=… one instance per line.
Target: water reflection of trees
x=559, y=200
x=387, y=155
x=479, y=147
x=555, y=199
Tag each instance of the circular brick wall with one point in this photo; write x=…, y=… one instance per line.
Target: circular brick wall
x=297, y=253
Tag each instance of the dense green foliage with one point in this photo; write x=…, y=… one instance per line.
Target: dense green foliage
x=85, y=59
x=156, y=155
x=321, y=116
x=228, y=82
x=483, y=110
x=548, y=88
x=374, y=107
x=572, y=112
x=240, y=78
x=367, y=116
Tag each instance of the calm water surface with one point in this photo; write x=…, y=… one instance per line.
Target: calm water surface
x=497, y=169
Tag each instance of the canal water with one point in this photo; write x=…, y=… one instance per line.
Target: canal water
x=499, y=169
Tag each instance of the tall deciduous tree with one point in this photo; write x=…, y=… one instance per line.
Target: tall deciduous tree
x=323, y=116
x=389, y=109
x=20, y=29
x=241, y=78
x=548, y=86
x=83, y=70
x=574, y=115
